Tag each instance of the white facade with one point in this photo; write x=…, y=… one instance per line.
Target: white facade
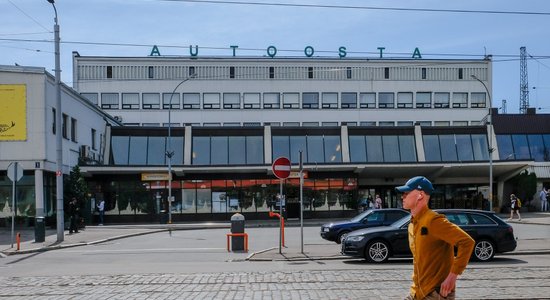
x=236, y=91
x=85, y=129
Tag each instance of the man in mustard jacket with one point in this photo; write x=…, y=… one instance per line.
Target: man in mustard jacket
x=432, y=239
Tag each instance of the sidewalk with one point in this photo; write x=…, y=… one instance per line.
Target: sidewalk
x=99, y=234
x=88, y=236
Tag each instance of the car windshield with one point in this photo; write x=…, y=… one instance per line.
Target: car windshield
x=401, y=222
x=361, y=216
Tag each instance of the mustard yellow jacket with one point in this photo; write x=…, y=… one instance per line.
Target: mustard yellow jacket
x=432, y=239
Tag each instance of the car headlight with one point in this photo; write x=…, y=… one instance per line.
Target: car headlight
x=354, y=238
x=326, y=229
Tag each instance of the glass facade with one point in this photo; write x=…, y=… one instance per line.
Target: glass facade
x=455, y=147
x=524, y=146
x=213, y=195
x=145, y=150
x=126, y=197
x=228, y=150
x=382, y=148
x=315, y=148
x=25, y=202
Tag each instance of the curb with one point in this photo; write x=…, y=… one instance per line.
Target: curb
x=280, y=257
x=56, y=247
x=6, y=253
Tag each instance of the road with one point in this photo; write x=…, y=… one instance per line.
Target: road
x=196, y=265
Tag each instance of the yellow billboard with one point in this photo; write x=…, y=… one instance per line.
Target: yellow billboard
x=13, y=112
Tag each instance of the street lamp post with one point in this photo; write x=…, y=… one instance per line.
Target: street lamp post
x=169, y=151
x=491, y=149
x=58, y=134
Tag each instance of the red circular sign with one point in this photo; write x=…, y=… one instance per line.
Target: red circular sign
x=281, y=167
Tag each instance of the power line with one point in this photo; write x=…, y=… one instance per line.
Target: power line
x=538, y=61
x=365, y=7
x=23, y=33
x=388, y=55
x=28, y=49
x=28, y=16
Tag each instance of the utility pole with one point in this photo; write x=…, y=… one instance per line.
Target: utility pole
x=58, y=134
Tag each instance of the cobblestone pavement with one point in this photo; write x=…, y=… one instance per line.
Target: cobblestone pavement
x=476, y=283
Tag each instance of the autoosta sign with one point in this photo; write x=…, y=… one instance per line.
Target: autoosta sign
x=271, y=51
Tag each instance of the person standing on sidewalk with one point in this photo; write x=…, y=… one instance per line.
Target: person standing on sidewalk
x=432, y=239
x=543, y=199
x=101, y=209
x=378, y=202
x=74, y=212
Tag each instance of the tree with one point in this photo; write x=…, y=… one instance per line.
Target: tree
x=525, y=186
x=75, y=186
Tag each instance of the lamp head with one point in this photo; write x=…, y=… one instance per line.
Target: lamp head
x=51, y=1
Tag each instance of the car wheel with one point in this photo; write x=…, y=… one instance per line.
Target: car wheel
x=484, y=250
x=377, y=252
x=341, y=236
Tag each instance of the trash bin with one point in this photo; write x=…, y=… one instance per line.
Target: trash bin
x=39, y=230
x=237, y=226
x=163, y=217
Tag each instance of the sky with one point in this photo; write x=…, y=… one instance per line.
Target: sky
x=439, y=29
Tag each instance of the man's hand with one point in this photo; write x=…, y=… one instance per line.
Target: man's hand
x=448, y=285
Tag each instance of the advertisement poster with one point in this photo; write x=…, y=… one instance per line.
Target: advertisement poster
x=13, y=112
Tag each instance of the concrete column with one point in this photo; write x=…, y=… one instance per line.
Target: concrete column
x=187, y=145
x=344, y=140
x=491, y=134
x=39, y=192
x=106, y=153
x=267, y=146
x=420, y=154
x=497, y=203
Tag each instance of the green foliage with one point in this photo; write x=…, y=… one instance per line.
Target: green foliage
x=75, y=186
x=525, y=185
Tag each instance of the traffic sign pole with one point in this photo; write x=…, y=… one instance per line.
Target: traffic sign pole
x=281, y=215
x=281, y=169
x=13, y=207
x=301, y=203
x=15, y=173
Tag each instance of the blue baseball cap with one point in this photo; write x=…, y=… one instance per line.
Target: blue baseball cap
x=417, y=183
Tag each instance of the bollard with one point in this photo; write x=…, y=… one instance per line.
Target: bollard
x=277, y=215
x=18, y=240
x=237, y=227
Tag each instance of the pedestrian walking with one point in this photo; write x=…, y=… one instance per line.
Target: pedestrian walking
x=515, y=205
x=543, y=199
x=101, y=209
x=74, y=215
x=432, y=240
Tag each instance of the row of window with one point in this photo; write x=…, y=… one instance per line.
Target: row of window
x=64, y=126
x=251, y=72
x=73, y=129
x=313, y=124
x=313, y=100
x=524, y=146
x=324, y=149
x=222, y=196
x=456, y=147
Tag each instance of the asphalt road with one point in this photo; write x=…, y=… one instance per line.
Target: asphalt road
x=196, y=265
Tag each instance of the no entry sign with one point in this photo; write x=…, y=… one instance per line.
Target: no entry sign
x=281, y=167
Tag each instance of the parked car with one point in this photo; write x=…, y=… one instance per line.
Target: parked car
x=335, y=231
x=491, y=234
